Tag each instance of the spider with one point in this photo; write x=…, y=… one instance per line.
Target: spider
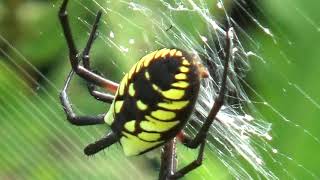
x=151, y=105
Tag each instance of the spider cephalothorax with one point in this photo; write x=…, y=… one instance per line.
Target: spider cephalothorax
x=151, y=105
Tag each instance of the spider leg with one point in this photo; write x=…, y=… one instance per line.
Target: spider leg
x=73, y=54
x=101, y=96
x=191, y=166
x=102, y=143
x=168, y=160
x=108, y=98
x=202, y=133
x=71, y=116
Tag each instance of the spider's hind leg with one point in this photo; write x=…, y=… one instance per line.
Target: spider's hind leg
x=193, y=165
x=169, y=162
x=102, y=143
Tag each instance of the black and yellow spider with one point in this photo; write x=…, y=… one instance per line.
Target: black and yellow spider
x=151, y=105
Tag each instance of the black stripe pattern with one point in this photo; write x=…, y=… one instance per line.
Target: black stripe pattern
x=154, y=100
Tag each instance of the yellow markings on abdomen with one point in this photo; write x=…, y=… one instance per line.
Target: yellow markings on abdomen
x=172, y=52
x=175, y=94
x=180, y=84
x=173, y=105
x=149, y=136
x=148, y=58
x=178, y=54
x=131, y=90
x=185, y=62
x=162, y=53
x=158, y=126
x=132, y=70
x=163, y=115
x=149, y=118
x=123, y=84
x=141, y=106
x=165, y=53
x=132, y=145
x=147, y=75
x=155, y=87
x=130, y=126
x=109, y=118
x=181, y=76
x=139, y=65
x=118, y=106
x=184, y=69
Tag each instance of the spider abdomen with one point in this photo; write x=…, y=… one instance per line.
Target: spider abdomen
x=154, y=100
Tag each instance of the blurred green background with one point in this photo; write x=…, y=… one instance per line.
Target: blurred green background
x=38, y=143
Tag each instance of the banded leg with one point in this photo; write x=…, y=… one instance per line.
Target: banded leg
x=108, y=98
x=73, y=55
x=202, y=133
x=71, y=116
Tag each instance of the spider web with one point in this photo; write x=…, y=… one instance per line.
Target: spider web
x=245, y=142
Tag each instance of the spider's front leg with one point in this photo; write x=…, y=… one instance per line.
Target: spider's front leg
x=202, y=133
x=73, y=54
x=86, y=64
